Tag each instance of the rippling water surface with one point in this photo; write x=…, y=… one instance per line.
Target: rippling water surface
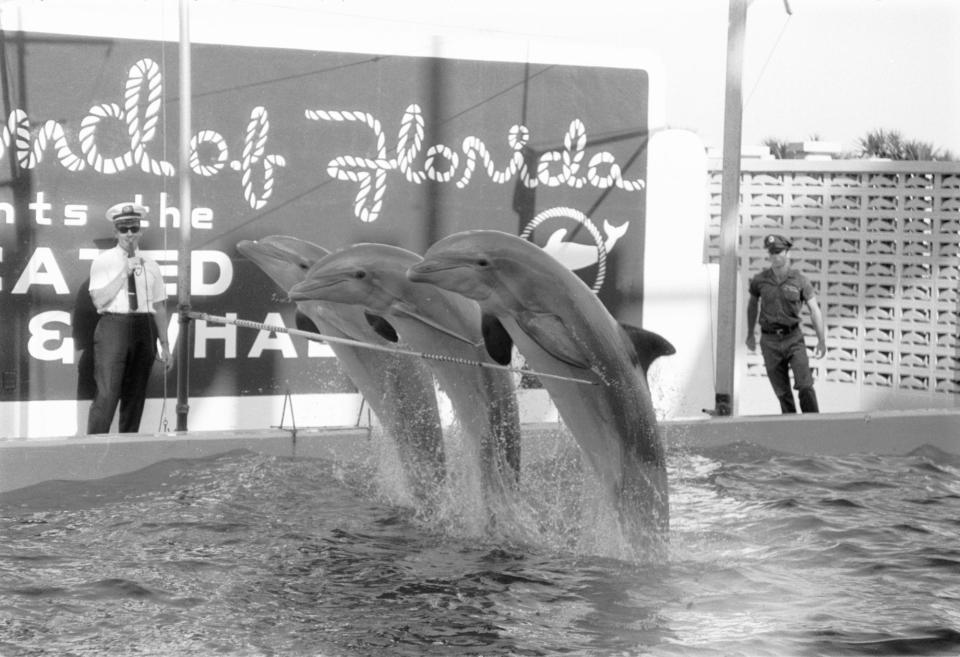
x=245, y=554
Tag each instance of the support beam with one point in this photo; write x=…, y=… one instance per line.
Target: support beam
x=183, y=254
x=730, y=210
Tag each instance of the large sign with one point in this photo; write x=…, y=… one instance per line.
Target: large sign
x=331, y=147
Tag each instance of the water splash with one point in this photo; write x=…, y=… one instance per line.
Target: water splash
x=557, y=505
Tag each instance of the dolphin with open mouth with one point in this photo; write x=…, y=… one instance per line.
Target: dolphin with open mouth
x=431, y=320
x=399, y=391
x=561, y=327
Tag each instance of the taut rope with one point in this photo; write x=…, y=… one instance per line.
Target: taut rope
x=376, y=347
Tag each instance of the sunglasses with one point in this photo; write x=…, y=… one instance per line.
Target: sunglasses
x=128, y=229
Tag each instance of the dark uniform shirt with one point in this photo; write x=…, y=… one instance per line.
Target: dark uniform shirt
x=780, y=301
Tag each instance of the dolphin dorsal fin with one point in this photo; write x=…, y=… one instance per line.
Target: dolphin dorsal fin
x=382, y=327
x=497, y=341
x=556, y=239
x=648, y=345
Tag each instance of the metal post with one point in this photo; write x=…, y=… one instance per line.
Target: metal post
x=183, y=254
x=730, y=209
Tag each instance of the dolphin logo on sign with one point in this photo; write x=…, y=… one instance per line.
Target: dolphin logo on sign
x=573, y=255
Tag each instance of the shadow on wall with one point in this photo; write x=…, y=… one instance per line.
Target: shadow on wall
x=84, y=323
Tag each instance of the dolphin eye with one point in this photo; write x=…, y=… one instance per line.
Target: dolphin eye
x=483, y=262
x=359, y=274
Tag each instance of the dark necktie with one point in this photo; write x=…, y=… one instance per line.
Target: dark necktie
x=132, y=292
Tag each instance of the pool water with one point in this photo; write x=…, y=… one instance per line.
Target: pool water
x=247, y=554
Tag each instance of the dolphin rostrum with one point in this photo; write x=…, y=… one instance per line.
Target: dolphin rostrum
x=560, y=326
x=400, y=391
x=431, y=320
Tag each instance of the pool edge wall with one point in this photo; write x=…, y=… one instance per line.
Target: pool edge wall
x=25, y=462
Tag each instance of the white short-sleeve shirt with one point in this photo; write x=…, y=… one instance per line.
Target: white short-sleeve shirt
x=149, y=281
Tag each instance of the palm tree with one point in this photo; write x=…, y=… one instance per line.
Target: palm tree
x=880, y=143
x=778, y=147
x=891, y=145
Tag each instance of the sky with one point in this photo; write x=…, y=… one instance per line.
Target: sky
x=834, y=69
x=840, y=68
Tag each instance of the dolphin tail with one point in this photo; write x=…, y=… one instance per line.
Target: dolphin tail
x=644, y=510
x=409, y=407
x=614, y=233
x=505, y=428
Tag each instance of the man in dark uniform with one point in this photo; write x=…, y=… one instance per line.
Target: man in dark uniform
x=777, y=295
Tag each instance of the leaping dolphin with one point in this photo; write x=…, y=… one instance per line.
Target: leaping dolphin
x=399, y=390
x=431, y=320
x=561, y=327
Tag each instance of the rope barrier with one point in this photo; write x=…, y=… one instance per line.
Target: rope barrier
x=320, y=337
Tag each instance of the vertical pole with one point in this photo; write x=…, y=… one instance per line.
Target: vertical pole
x=730, y=209
x=183, y=255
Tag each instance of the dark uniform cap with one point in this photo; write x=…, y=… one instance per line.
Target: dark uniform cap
x=126, y=211
x=777, y=243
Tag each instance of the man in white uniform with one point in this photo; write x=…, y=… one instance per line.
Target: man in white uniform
x=129, y=294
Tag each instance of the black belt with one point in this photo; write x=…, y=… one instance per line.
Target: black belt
x=781, y=330
x=127, y=314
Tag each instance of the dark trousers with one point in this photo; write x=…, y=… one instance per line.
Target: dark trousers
x=780, y=355
x=124, y=350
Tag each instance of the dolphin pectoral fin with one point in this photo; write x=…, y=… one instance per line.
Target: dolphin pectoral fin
x=498, y=343
x=304, y=323
x=382, y=327
x=413, y=314
x=552, y=335
x=648, y=345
